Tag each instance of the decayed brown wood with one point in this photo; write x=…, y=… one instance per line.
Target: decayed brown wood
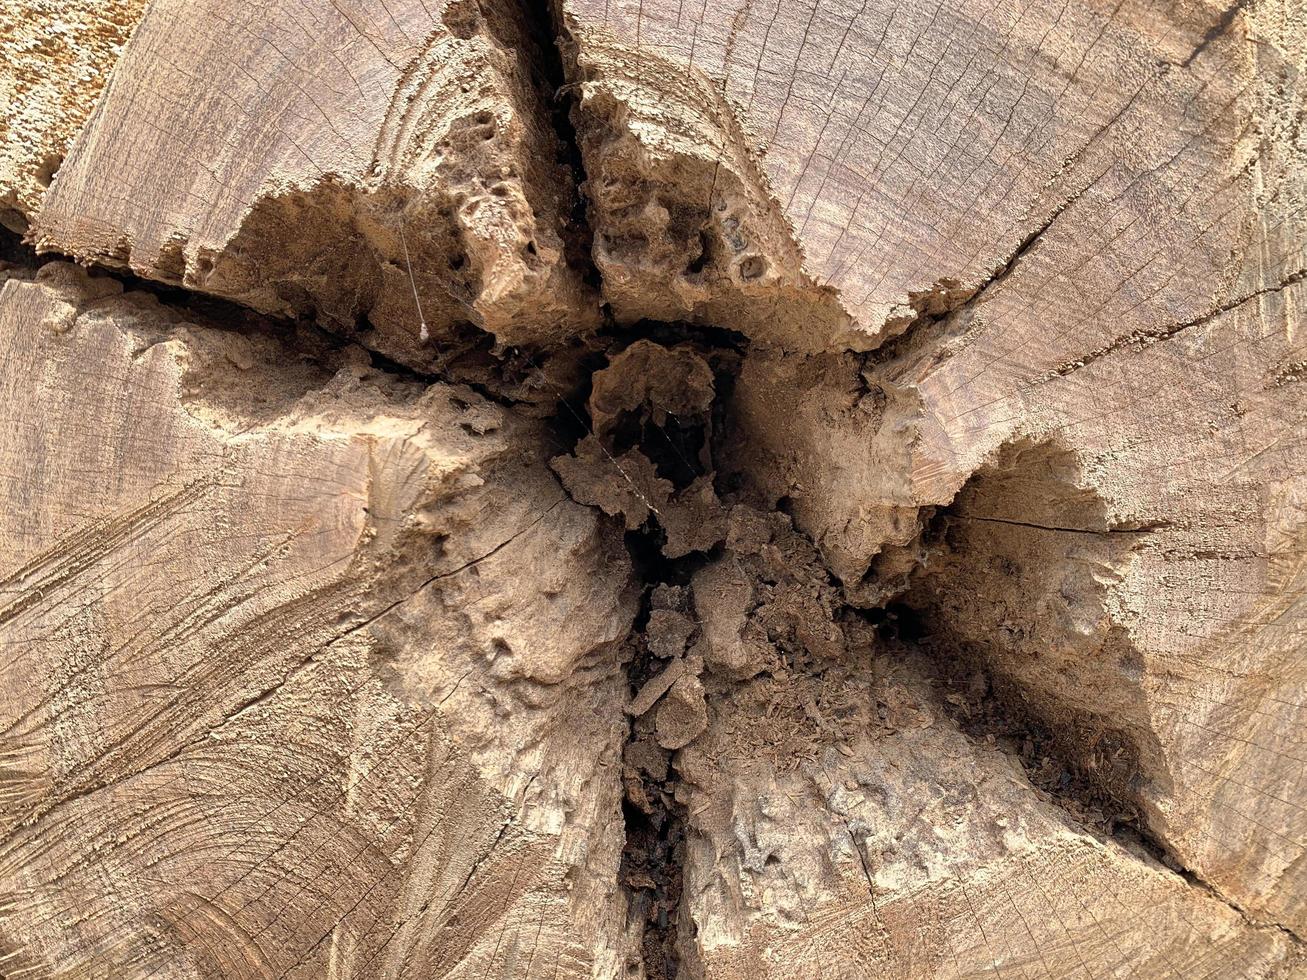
x=902, y=577
x=1106, y=207
x=308, y=159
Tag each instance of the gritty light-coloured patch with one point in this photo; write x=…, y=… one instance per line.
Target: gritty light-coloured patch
x=56, y=58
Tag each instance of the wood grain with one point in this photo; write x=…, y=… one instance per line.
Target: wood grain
x=248, y=726
x=333, y=159
x=868, y=538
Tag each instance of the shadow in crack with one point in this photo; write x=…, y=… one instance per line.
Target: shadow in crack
x=1020, y=598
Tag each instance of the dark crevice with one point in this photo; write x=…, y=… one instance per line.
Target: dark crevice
x=676, y=447
x=1069, y=717
x=651, y=872
x=653, y=854
x=1026, y=244
x=898, y=622
x=977, y=605
x=12, y=221
x=541, y=24
x=386, y=365
x=702, y=258
x=1064, y=530
x=469, y=356
x=219, y=312
x=17, y=258
x=1085, y=768
x=946, y=313
x=716, y=339
x=1088, y=762
x=1140, y=338
x=1090, y=770
x=302, y=334
x=975, y=612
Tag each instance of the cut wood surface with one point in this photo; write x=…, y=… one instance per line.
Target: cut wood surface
x=306, y=159
x=904, y=157
x=637, y=489
x=247, y=601
x=57, y=54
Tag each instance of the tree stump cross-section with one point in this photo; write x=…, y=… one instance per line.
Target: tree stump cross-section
x=633, y=489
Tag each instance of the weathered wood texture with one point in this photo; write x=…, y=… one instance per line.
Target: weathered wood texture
x=304, y=158
x=56, y=56
x=263, y=627
x=913, y=852
x=922, y=595
x=1092, y=222
x=903, y=155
